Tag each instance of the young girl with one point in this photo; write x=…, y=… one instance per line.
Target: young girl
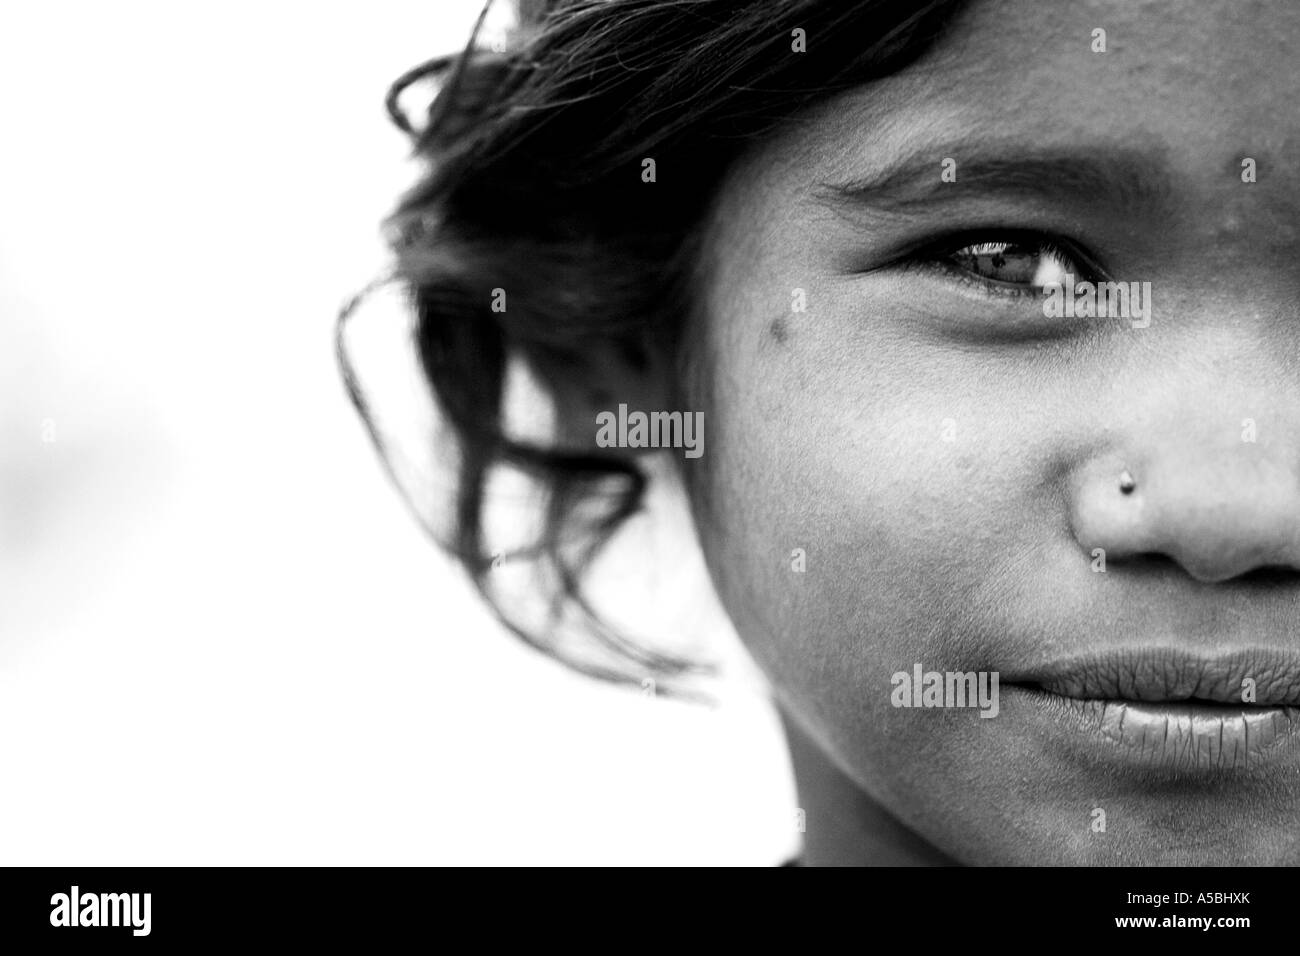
x=1023, y=579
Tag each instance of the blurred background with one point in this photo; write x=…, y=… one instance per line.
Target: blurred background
x=223, y=640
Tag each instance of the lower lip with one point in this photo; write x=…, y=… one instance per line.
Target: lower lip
x=1191, y=737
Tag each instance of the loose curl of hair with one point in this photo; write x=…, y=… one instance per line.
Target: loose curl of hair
x=532, y=184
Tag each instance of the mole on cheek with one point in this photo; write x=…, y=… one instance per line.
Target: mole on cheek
x=779, y=329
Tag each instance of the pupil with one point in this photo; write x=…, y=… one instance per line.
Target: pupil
x=1001, y=262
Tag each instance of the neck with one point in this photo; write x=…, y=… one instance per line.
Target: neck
x=843, y=826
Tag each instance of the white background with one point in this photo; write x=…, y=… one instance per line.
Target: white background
x=222, y=639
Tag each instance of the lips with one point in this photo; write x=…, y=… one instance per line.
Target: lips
x=1173, y=709
x=1259, y=678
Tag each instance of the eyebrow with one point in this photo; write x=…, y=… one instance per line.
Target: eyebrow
x=1134, y=180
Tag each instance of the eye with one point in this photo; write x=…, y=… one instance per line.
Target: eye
x=1028, y=264
x=1013, y=270
x=1004, y=264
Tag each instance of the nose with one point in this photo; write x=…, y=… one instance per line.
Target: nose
x=1218, y=511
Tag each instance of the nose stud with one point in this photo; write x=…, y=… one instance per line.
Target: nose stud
x=1126, y=482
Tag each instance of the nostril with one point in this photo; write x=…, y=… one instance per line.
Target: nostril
x=1148, y=562
x=1157, y=563
x=1272, y=575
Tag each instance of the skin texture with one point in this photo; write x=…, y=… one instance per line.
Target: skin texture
x=948, y=458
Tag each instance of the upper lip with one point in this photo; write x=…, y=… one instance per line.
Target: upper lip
x=1165, y=674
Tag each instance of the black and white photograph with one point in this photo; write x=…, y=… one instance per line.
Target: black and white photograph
x=652, y=433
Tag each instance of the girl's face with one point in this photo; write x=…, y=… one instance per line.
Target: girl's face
x=911, y=462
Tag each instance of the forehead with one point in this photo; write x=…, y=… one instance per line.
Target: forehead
x=1207, y=74
x=1210, y=73
x=1168, y=60
x=1182, y=93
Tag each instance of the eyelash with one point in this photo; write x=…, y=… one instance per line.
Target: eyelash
x=939, y=257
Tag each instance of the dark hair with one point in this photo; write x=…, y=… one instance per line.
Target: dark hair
x=533, y=185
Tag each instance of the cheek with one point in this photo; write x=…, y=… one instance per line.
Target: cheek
x=853, y=514
x=848, y=511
